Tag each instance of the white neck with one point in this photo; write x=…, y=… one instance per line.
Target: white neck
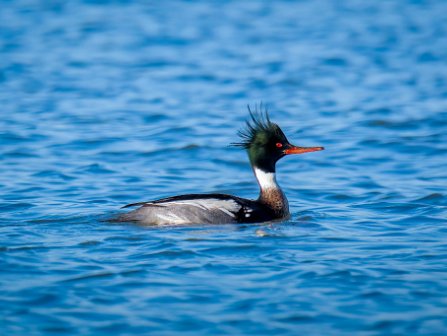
x=266, y=180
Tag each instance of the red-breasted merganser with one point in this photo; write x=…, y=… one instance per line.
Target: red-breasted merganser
x=266, y=144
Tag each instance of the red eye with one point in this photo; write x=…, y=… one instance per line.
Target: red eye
x=278, y=144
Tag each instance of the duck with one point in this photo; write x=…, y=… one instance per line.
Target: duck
x=265, y=144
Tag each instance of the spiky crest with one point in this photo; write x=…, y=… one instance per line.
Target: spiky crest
x=258, y=123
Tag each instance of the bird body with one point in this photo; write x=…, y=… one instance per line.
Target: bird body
x=266, y=144
x=199, y=208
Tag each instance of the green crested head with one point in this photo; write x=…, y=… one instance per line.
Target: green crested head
x=265, y=142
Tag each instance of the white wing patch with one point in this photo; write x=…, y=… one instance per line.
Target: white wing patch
x=247, y=212
x=189, y=211
x=171, y=218
x=229, y=207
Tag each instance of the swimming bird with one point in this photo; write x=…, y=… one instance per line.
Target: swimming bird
x=265, y=143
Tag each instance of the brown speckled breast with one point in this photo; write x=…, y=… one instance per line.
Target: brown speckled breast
x=276, y=200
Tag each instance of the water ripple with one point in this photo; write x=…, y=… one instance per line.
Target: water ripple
x=131, y=101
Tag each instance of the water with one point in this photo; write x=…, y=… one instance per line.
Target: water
x=108, y=103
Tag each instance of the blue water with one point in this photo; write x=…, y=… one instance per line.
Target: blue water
x=107, y=103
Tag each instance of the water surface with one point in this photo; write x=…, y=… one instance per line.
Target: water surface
x=108, y=103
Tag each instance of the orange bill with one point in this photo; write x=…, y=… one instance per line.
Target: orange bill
x=301, y=150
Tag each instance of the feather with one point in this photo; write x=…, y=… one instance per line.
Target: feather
x=259, y=122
